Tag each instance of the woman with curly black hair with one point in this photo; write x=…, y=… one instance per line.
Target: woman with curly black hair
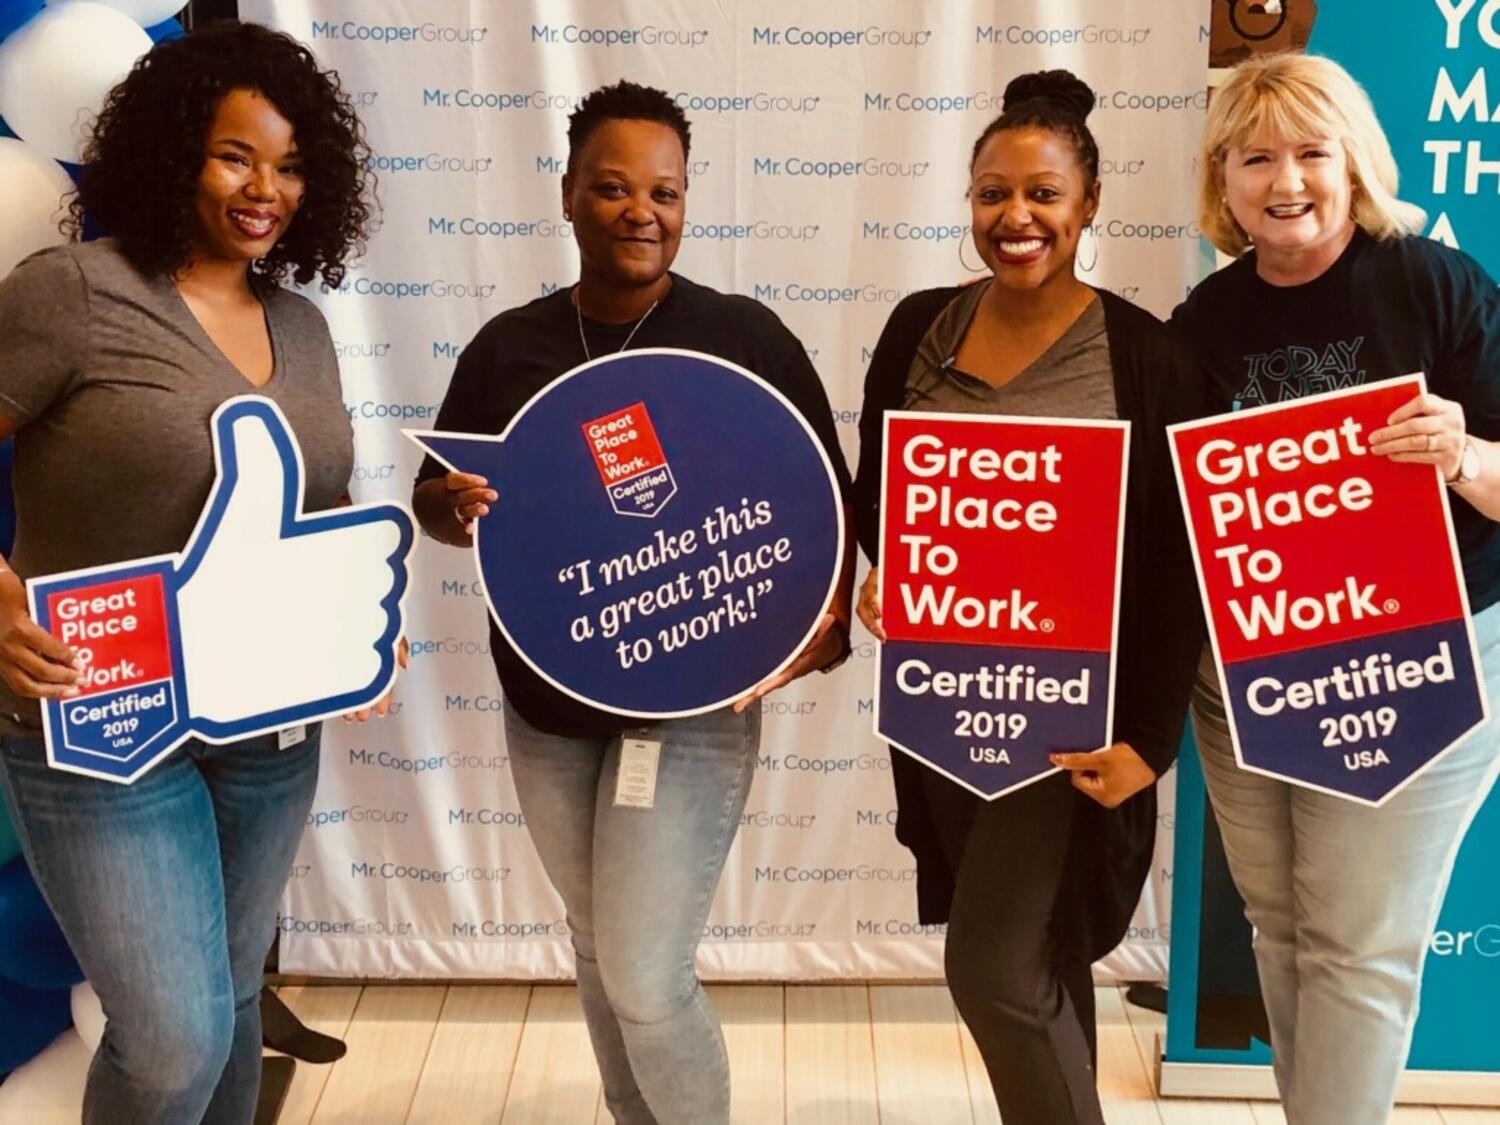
x=224, y=163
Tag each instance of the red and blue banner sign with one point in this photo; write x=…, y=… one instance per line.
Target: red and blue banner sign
x=268, y=618
x=668, y=532
x=1000, y=553
x=1334, y=592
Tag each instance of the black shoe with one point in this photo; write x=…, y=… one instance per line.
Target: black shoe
x=281, y=1030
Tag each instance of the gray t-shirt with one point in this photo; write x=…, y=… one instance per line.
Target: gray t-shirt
x=112, y=382
x=1071, y=379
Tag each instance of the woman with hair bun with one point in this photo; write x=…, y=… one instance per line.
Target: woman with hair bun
x=1039, y=884
x=223, y=164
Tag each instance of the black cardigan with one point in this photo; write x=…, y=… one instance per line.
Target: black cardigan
x=1157, y=382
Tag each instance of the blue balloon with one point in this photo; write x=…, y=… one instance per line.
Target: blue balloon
x=33, y=1018
x=13, y=13
x=33, y=951
x=167, y=29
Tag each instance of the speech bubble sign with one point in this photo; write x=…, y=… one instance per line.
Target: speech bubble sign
x=668, y=532
x=1334, y=592
x=1000, y=551
x=266, y=619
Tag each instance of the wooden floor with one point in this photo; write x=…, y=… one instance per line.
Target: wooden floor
x=803, y=1055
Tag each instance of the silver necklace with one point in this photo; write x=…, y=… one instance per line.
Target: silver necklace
x=582, y=339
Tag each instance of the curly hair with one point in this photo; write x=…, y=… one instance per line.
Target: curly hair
x=146, y=154
x=627, y=101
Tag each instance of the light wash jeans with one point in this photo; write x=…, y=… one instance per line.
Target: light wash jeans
x=637, y=885
x=1343, y=899
x=166, y=891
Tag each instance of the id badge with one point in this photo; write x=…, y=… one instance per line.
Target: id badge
x=635, y=785
x=291, y=736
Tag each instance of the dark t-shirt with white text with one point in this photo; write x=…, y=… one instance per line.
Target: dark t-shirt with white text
x=1383, y=309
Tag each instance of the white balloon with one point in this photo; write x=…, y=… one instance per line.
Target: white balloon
x=88, y=1015
x=31, y=191
x=49, y=1089
x=56, y=70
x=147, y=13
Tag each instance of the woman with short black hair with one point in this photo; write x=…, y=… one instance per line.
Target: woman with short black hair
x=637, y=884
x=224, y=163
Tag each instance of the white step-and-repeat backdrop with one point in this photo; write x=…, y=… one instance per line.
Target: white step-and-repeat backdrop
x=827, y=179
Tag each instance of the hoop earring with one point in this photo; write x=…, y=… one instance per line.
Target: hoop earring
x=1093, y=243
x=968, y=268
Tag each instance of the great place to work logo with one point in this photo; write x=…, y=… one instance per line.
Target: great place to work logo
x=999, y=575
x=1333, y=590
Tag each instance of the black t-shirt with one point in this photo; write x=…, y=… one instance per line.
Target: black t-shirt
x=1383, y=309
x=522, y=350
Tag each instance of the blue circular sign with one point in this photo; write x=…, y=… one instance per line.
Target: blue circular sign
x=668, y=531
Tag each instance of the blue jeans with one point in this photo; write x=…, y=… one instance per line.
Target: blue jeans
x=637, y=885
x=167, y=891
x=1343, y=899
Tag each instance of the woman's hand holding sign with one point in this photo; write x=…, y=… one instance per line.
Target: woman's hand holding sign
x=1428, y=430
x=1110, y=776
x=456, y=500
x=817, y=653
x=869, y=604
x=382, y=706
x=32, y=661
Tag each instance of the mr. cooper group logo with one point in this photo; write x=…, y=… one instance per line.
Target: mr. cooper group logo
x=414, y=289
x=861, y=873
x=352, y=31
x=397, y=871
x=801, y=293
x=449, y=646
x=1090, y=34
x=368, y=409
x=356, y=814
x=471, y=226
x=834, y=38
x=428, y=764
x=340, y=927
x=395, y=163
x=646, y=35
x=813, y=168
x=758, y=931
x=1483, y=941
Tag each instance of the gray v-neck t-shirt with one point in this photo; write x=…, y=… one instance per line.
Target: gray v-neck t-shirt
x=111, y=382
x=1071, y=379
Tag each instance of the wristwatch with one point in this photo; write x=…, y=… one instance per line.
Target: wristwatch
x=1468, y=464
x=846, y=647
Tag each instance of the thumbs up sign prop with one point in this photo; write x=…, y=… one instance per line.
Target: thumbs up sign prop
x=268, y=617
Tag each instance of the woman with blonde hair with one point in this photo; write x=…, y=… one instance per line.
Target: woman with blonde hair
x=1331, y=288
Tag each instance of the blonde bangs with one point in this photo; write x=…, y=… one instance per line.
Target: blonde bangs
x=1289, y=96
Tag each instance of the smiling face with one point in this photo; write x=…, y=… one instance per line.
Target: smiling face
x=251, y=183
x=1291, y=197
x=626, y=196
x=1030, y=199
